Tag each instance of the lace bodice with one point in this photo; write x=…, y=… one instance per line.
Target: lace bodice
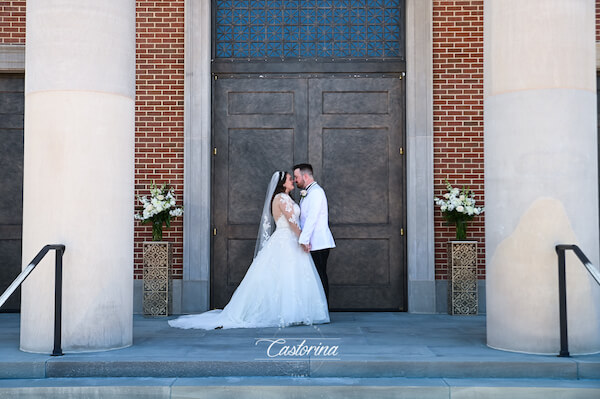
x=285, y=211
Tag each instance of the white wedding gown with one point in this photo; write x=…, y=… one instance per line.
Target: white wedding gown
x=280, y=288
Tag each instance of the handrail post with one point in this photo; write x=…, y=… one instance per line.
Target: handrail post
x=562, y=298
x=58, y=302
x=60, y=250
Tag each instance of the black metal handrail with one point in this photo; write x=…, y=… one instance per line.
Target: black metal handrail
x=60, y=250
x=562, y=290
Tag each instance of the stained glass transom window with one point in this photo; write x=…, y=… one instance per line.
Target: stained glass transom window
x=309, y=29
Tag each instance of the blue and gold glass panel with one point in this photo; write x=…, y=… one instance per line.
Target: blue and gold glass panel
x=309, y=29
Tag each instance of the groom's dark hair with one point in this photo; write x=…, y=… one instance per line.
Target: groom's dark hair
x=305, y=168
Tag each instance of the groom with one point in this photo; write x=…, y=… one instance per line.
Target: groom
x=316, y=237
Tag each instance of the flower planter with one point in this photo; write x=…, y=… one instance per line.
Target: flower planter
x=462, y=277
x=158, y=286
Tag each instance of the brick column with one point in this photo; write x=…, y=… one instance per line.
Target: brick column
x=78, y=176
x=541, y=175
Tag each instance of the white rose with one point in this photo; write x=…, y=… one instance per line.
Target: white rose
x=443, y=208
x=460, y=208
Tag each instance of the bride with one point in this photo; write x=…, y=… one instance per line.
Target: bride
x=282, y=286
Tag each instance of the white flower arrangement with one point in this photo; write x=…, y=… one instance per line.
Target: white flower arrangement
x=303, y=193
x=158, y=209
x=458, y=206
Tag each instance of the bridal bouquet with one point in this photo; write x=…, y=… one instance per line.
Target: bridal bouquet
x=458, y=207
x=158, y=209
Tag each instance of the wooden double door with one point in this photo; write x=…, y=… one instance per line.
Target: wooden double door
x=352, y=131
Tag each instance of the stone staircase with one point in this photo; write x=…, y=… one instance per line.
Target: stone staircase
x=298, y=387
x=381, y=355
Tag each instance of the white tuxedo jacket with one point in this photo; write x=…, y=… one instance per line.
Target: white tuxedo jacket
x=314, y=220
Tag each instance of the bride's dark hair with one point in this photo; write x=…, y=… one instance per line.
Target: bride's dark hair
x=279, y=187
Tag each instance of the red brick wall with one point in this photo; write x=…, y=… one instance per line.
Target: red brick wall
x=12, y=22
x=598, y=20
x=458, y=114
x=159, y=114
x=159, y=105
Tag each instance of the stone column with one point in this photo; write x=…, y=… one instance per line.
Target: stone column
x=195, y=294
x=541, y=176
x=79, y=171
x=419, y=142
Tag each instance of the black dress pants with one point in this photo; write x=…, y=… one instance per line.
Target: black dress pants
x=320, y=259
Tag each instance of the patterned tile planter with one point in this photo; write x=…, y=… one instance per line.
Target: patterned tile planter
x=158, y=285
x=462, y=277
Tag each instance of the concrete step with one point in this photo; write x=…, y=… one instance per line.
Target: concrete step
x=95, y=366
x=297, y=388
x=68, y=367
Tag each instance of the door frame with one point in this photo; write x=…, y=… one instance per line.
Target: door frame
x=371, y=82
x=192, y=293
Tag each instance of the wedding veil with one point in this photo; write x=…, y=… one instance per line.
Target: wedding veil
x=266, y=225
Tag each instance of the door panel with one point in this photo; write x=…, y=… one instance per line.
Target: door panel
x=259, y=127
x=247, y=148
x=351, y=131
x=347, y=153
x=12, y=104
x=356, y=130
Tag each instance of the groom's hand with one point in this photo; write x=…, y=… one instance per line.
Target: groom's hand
x=306, y=247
